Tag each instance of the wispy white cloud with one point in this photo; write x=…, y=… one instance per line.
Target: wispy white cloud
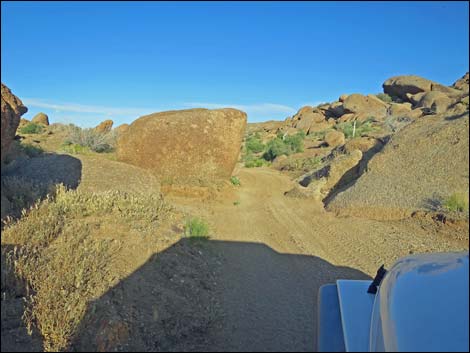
x=257, y=109
x=81, y=108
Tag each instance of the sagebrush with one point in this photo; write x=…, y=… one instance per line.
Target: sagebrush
x=62, y=263
x=90, y=138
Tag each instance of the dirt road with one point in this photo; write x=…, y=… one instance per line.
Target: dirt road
x=277, y=251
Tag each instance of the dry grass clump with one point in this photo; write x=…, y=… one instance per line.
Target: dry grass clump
x=63, y=265
x=457, y=202
x=89, y=138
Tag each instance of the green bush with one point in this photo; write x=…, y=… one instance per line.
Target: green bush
x=254, y=144
x=31, y=128
x=362, y=128
x=456, y=203
x=75, y=149
x=255, y=162
x=196, y=228
x=296, y=142
x=235, y=181
x=384, y=97
x=90, y=138
x=288, y=145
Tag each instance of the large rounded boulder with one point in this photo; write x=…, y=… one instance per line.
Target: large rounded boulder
x=185, y=146
x=41, y=118
x=365, y=105
x=12, y=110
x=104, y=127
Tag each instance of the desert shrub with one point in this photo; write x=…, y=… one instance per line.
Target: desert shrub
x=31, y=128
x=295, y=142
x=274, y=148
x=362, y=128
x=254, y=162
x=90, y=138
x=23, y=193
x=318, y=134
x=30, y=150
x=254, y=144
x=196, y=228
x=384, y=97
x=75, y=149
x=235, y=181
x=456, y=203
x=236, y=203
x=64, y=265
x=278, y=146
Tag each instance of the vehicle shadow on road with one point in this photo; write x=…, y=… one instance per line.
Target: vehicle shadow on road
x=212, y=296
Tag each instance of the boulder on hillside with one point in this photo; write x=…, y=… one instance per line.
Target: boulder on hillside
x=370, y=105
x=12, y=110
x=343, y=97
x=423, y=164
x=363, y=144
x=335, y=110
x=334, y=138
x=438, y=102
x=400, y=86
x=462, y=83
x=399, y=109
x=104, y=127
x=41, y=118
x=185, y=146
x=309, y=119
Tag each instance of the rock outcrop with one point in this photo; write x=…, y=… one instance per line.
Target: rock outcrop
x=12, y=110
x=462, y=83
x=187, y=147
x=423, y=163
x=319, y=183
x=401, y=86
x=41, y=118
x=309, y=119
x=104, y=127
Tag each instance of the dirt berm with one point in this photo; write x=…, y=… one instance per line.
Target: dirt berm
x=420, y=166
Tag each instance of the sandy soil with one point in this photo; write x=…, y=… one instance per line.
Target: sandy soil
x=277, y=251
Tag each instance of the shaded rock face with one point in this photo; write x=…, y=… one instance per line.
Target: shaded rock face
x=186, y=147
x=104, y=126
x=436, y=101
x=462, y=83
x=425, y=162
x=400, y=86
x=12, y=110
x=319, y=183
x=41, y=118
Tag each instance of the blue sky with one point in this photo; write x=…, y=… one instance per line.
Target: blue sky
x=85, y=62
